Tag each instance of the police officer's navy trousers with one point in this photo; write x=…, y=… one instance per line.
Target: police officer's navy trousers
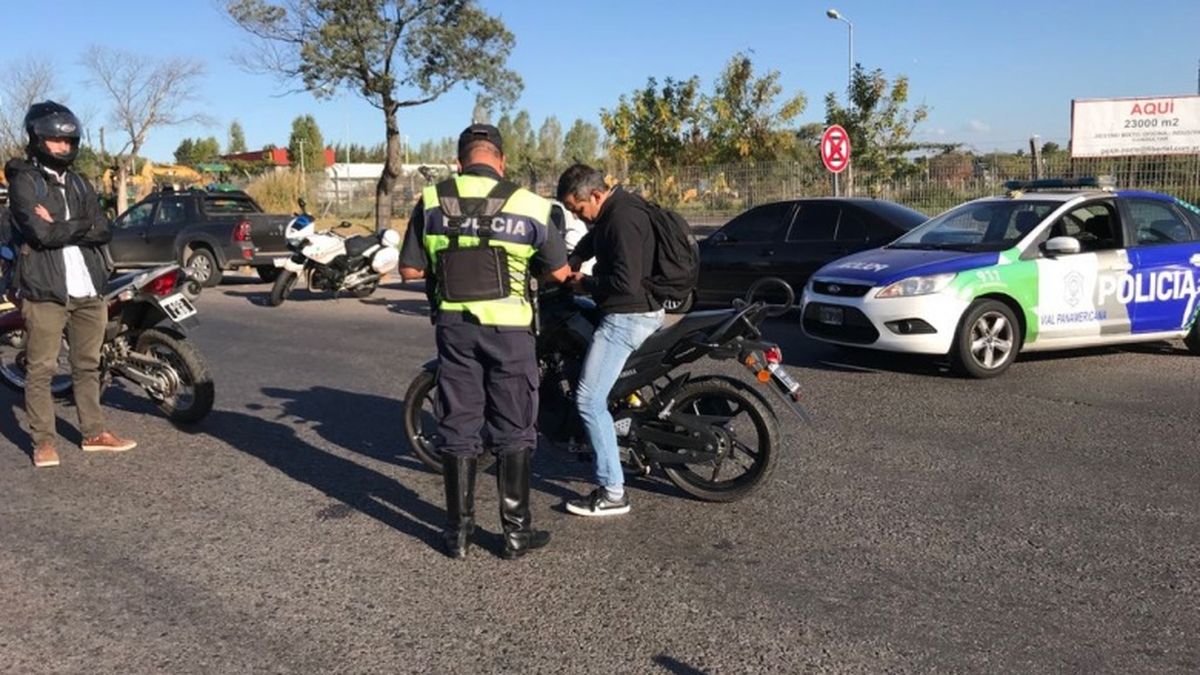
x=487, y=381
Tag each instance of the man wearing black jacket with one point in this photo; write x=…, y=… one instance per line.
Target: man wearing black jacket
x=622, y=242
x=60, y=273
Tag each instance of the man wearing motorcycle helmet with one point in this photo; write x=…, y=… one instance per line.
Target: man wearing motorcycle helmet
x=487, y=365
x=60, y=274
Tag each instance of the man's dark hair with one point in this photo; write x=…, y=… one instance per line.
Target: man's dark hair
x=475, y=146
x=580, y=180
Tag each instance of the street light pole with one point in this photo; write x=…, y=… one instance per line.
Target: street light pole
x=837, y=16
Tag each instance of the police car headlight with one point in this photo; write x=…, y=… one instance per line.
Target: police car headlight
x=911, y=286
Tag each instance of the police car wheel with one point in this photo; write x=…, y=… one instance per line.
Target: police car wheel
x=1193, y=338
x=987, y=340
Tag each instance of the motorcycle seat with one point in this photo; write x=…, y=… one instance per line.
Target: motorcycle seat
x=667, y=336
x=356, y=246
x=119, y=281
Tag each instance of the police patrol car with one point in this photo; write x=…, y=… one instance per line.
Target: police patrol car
x=1055, y=264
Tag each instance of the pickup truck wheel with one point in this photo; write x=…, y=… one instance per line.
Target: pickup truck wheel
x=203, y=267
x=268, y=273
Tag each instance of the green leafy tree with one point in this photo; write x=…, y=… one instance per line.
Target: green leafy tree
x=550, y=143
x=206, y=150
x=237, y=138
x=393, y=53
x=1051, y=148
x=520, y=149
x=306, y=144
x=879, y=125
x=655, y=128
x=185, y=153
x=482, y=114
x=582, y=143
x=743, y=120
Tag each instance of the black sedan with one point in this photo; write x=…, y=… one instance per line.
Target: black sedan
x=792, y=240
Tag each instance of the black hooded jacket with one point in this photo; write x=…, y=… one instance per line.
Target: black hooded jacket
x=40, y=273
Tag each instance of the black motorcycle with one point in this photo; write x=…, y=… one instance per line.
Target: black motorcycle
x=144, y=343
x=714, y=436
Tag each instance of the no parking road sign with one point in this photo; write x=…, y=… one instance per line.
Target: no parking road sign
x=835, y=149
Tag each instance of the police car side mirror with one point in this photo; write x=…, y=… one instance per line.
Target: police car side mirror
x=719, y=238
x=1061, y=246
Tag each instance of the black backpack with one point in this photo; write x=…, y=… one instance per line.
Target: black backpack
x=676, y=256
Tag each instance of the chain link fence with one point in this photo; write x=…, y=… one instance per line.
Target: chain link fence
x=934, y=185
x=710, y=195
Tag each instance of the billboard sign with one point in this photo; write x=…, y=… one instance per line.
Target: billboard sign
x=1135, y=126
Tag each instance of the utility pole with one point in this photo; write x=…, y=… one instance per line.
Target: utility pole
x=1035, y=156
x=302, y=190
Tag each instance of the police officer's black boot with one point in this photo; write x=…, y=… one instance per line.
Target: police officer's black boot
x=512, y=480
x=459, y=479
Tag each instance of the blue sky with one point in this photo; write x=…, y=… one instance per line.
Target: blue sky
x=992, y=73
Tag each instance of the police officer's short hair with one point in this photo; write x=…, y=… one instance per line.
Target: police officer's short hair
x=475, y=146
x=580, y=181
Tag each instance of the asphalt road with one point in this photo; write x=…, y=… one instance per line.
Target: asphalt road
x=1046, y=521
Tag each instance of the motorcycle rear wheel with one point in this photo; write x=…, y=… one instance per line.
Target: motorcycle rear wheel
x=753, y=439
x=191, y=397
x=12, y=366
x=284, y=284
x=420, y=423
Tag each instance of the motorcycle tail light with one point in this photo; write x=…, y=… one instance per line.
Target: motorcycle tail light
x=773, y=355
x=242, y=231
x=162, y=285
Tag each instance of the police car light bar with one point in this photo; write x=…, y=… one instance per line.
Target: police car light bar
x=1094, y=182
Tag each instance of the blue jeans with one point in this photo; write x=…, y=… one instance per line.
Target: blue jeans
x=617, y=336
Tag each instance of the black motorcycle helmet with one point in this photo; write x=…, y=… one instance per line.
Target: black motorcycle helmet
x=51, y=120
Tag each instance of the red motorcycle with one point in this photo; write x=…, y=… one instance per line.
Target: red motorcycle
x=144, y=342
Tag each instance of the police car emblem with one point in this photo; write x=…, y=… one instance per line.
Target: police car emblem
x=1074, y=287
x=835, y=289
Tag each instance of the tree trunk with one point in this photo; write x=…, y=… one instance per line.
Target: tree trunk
x=122, y=185
x=391, y=170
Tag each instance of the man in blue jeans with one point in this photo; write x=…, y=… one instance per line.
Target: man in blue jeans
x=622, y=242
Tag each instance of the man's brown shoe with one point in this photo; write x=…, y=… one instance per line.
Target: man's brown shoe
x=44, y=454
x=106, y=442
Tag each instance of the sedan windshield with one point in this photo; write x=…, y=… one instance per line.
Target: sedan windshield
x=978, y=226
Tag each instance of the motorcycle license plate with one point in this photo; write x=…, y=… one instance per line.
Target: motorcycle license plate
x=831, y=315
x=783, y=378
x=278, y=262
x=177, y=307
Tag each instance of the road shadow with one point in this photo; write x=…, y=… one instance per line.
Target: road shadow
x=675, y=666
x=366, y=424
x=14, y=432
x=277, y=444
x=262, y=298
x=373, y=426
x=403, y=307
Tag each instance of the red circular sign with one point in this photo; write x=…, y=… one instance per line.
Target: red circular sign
x=835, y=149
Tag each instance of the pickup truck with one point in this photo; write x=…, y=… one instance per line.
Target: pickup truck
x=205, y=231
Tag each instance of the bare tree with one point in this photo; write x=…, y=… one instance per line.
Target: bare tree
x=24, y=83
x=146, y=93
x=393, y=53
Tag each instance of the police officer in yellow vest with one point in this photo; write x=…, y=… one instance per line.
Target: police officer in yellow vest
x=476, y=240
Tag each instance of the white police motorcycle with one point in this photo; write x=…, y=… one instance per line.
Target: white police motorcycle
x=327, y=261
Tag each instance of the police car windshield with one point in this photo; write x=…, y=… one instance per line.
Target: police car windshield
x=978, y=226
